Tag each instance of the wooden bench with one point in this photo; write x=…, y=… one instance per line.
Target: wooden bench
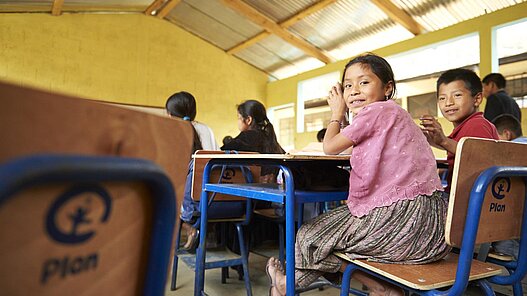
x=481, y=210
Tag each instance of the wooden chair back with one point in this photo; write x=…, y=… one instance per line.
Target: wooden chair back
x=503, y=206
x=83, y=233
x=231, y=175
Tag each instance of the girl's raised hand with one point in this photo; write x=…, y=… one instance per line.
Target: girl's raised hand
x=336, y=102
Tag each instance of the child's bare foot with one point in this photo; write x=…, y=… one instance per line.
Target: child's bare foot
x=276, y=276
x=376, y=286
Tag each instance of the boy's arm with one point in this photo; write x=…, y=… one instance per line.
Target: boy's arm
x=434, y=134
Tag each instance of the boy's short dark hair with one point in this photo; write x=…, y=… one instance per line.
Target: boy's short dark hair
x=320, y=135
x=507, y=121
x=497, y=78
x=469, y=77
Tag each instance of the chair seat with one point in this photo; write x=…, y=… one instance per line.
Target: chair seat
x=427, y=276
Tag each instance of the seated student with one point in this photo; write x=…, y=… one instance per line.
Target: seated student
x=458, y=96
x=320, y=135
x=256, y=135
x=183, y=105
x=498, y=101
x=395, y=211
x=509, y=128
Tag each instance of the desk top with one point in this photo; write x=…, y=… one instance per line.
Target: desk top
x=284, y=157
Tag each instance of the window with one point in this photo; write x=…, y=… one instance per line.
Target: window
x=283, y=120
x=312, y=107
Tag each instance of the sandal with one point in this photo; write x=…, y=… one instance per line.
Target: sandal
x=278, y=268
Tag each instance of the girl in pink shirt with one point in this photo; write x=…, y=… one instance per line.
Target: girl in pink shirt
x=395, y=211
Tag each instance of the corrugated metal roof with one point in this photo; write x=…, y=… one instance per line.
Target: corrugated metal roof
x=338, y=30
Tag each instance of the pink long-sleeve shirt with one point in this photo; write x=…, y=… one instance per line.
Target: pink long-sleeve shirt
x=391, y=159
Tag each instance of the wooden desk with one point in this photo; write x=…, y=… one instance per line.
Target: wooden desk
x=285, y=194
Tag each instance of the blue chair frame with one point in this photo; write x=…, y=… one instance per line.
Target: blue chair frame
x=223, y=264
x=477, y=195
x=22, y=173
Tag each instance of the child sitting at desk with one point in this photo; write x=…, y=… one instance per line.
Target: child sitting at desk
x=256, y=135
x=395, y=211
x=458, y=96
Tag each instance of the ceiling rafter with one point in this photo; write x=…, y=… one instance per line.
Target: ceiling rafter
x=284, y=24
x=153, y=6
x=167, y=8
x=57, y=7
x=272, y=27
x=399, y=16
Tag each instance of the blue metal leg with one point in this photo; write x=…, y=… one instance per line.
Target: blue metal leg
x=346, y=279
x=281, y=239
x=487, y=289
x=517, y=289
x=175, y=262
x=289, y=231
x=224, y=274
x=245, y=263
x=199, y=281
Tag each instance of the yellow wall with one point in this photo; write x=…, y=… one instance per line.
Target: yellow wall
x=285, y=91
x=126, y=58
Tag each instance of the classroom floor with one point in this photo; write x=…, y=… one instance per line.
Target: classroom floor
x=260, y=285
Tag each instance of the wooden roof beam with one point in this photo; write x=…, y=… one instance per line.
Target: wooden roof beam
x=284, y=24
x=167, y=8
x=153, y=6
x=272, y=27
x=399, y=16
x=57, y=7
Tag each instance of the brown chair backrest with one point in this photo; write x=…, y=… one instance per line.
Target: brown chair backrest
x=503, y=206
x=232, y=175
x=37, y=260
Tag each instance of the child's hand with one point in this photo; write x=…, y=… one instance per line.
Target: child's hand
x=433, y=131
x=336, y=102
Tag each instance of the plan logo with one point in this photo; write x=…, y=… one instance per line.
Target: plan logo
x=71, y=220
x=73, y=208
x=500, y=186
x=228, y=174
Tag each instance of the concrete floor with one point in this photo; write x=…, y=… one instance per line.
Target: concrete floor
x=259, y=281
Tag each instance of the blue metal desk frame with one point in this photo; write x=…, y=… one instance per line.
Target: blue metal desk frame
x=286, y=196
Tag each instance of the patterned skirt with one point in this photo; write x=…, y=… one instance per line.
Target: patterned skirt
x=406, y=232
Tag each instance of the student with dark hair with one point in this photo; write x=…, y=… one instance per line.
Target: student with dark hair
x=498, y=101
x=458, y=96
x=509, y=128
x=395, y=210
x=183, y=105
x=320, y=135
x=256, y=135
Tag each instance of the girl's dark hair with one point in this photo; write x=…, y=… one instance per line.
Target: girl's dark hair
x=183, y=105
x=378, y=65
x=260, y=122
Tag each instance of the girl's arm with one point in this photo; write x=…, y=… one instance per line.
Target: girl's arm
x=334, y=142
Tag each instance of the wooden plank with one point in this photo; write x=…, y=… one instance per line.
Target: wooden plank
x=500, y=218
x=430, y=276
x=167, y=8
x=153, y=6
x=269, y=25
x=306, y=12
x=285, y=24
x=57, y=7
x=399, y=16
